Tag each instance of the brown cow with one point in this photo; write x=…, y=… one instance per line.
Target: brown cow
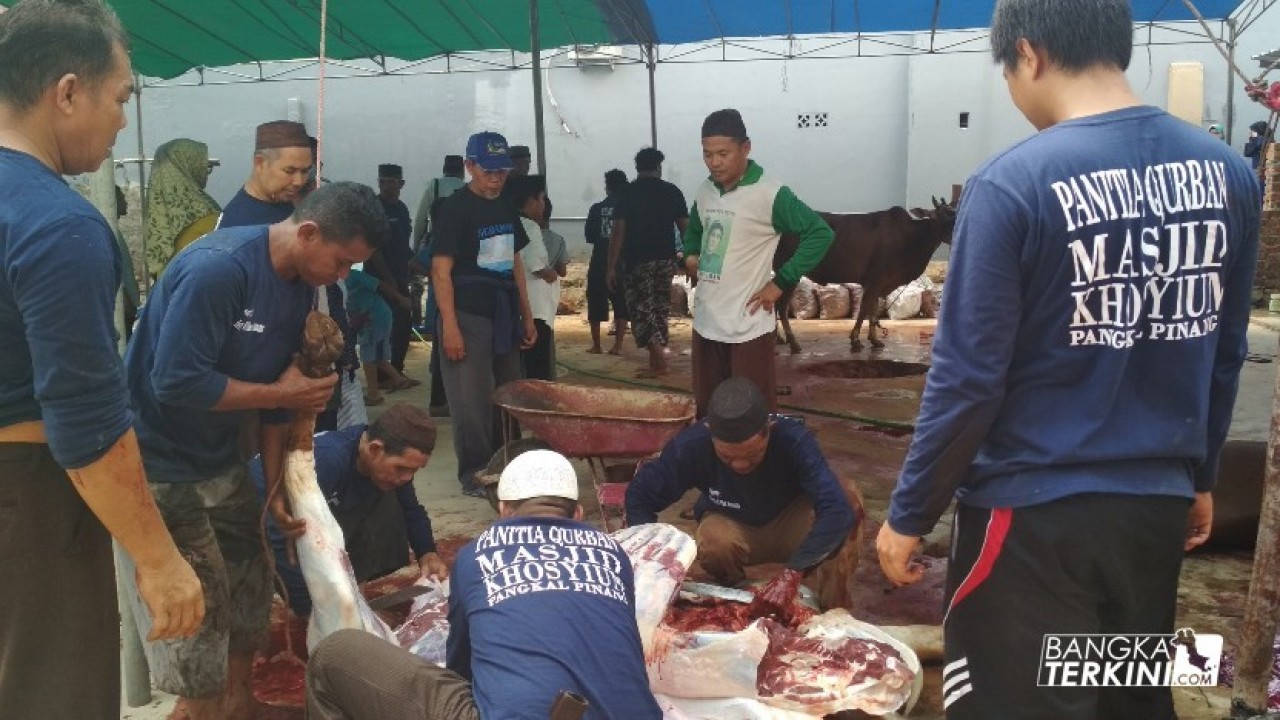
x=879, y=250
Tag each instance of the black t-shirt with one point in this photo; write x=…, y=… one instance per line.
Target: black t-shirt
x=651, y=206
x=396, y=250
x=482, y=236
x=599, y=229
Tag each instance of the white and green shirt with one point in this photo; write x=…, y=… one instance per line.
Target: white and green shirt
x=735, y=234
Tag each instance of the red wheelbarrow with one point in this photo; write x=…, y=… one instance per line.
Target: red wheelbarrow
x=595, y=424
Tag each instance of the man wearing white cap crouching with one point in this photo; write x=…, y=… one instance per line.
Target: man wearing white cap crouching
x=541, y=605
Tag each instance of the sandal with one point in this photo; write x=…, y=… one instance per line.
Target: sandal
x=373, y=399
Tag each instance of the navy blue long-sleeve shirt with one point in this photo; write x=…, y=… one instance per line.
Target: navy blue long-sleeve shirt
x=219, y=311
x=793, y=465
x=1094, y=323
x=58, y=358
x=346, y=491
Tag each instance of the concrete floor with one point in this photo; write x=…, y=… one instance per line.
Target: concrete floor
x=1212, y=589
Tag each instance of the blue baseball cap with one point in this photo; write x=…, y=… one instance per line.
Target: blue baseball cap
x=489, y=150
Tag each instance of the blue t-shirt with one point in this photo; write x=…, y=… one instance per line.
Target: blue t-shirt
x=58, y=356
x=245, y=209
x=1094, y=322
x=793, y=465
x=349, y=494
x=219, y=311
x=363, y=299
x=539, y=605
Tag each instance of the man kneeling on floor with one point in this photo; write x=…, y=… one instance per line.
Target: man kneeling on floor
x=539, y=603
x=366, y=475
x=768, y=496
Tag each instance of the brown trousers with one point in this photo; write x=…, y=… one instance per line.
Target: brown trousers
x=59, y=628
x=714, y=362
x=726, y=547
x=353, y=675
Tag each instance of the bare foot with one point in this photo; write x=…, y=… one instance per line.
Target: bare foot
x=594, y=350
x=615, y=350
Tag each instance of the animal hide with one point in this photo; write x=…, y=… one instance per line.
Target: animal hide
x=335, y=596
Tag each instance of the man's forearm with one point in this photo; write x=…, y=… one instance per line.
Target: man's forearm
x=241, y=395
x=115, y=489
x=525, y=308
x=442, y=285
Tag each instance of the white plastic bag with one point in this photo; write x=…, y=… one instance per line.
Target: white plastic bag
x=804, y=305
x=905, y=302
x=426, y=628
x=707, y=664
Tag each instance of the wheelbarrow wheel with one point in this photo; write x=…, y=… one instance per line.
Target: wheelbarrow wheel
x=489, y=476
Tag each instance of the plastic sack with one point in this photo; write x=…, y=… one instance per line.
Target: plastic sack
x=804, y=305
x=833, y=301
x=906, y=301
x=856, y=294
x=707, y=664
x=931, y=302
x=426, y=628
x=676, y=708
x=681, y=300
x=821, y=688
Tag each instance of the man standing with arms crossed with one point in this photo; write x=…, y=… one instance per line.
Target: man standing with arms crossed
x=1080, y=435
x=70, y=472
x=738, y=215
x=215, y=346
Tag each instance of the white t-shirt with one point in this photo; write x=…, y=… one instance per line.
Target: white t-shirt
x=738, y=243
x=543, y=296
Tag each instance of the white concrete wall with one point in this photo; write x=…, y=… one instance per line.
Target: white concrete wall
x=893, y=137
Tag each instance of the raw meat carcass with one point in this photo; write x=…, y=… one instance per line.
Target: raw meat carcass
x=426, y=628
x=660, y=556
x=335, y=596
x=831, y=663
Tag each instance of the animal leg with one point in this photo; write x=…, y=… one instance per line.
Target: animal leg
x=855, y=344
x=874, y=332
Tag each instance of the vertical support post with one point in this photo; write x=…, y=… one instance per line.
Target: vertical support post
x=651, y=60
x=137, y=676
x=539, y=130
x=1258, y=628
x=142, y=181
x=1232, y=35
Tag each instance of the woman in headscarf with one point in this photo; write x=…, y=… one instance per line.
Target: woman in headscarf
x=178, y=209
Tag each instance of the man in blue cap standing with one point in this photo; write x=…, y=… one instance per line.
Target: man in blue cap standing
x=484, y=316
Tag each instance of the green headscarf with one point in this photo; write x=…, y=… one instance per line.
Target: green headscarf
x=176, y=197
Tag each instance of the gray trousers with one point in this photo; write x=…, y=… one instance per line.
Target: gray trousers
x=353, y=675
x=59, y=628
x=469, y=385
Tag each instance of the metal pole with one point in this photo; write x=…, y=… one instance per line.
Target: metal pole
x=137, y=676
x=1232, y=34
x=142, y=182
x=651, y=59
x=538, y=129
x=1258, y=627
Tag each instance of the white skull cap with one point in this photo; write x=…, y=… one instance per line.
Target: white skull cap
x=538, y=473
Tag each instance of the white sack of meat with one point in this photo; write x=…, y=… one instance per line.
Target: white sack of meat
x=804, y=305
x=833, y=301
x=707, y=664
x=426, y=628
x=855, y=299
x=335, y=597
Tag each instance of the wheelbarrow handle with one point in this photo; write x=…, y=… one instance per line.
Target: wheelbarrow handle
x=568, y=706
